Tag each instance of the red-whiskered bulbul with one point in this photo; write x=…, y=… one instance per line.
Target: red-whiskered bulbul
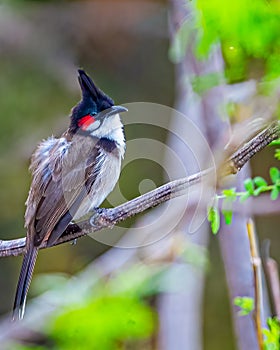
x=71, y=175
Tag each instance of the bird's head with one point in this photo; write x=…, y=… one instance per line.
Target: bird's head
x=95, y=112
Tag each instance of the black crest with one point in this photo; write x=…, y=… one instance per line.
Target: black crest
x=90, y=90
x=93, y=100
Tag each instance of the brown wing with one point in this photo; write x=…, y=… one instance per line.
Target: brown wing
x=59, y=185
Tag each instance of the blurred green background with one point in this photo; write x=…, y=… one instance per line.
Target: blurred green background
x=124, y=46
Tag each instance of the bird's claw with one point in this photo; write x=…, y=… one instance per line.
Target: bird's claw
x=74, y=242
x=100, y=217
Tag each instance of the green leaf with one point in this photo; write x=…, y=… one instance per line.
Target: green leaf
x=259, y=190
x=227, y=205
x=246, y=305
x=230, y=194
x=277, y=154
x=259, y=181
x=214, y=219
x=227, y=216
x=275, y=143
x=272, y=334
x=274, y=174
x=244, y=196
x=274, y=193
x=249, y=185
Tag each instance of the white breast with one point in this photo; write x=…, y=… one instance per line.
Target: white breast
x=104, y=184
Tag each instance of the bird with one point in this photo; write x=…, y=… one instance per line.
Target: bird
x=71, y=175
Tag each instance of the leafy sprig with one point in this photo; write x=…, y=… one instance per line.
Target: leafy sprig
x=253, y=188
x=246, y=305
x=272, y=334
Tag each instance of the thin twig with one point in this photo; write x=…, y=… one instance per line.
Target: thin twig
x=272, y=276
x=256, y=263
x=103, y=218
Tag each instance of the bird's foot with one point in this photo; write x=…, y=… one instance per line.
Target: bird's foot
x=101, y=218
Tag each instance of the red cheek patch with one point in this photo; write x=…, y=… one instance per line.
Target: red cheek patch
x=86, y=121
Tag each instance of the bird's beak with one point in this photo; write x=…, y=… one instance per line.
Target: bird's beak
x=111, y=111
x=115, y=110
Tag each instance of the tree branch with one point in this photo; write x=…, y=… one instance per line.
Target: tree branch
x=252, y=147
x=103, y=218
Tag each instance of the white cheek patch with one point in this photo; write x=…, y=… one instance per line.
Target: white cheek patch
x=94, y=125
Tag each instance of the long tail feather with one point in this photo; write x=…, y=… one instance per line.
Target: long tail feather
x=24, y=281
